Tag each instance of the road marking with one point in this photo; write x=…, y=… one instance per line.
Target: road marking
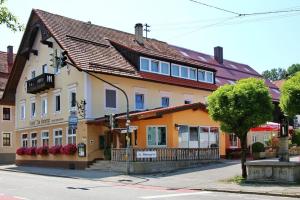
x=176, y=195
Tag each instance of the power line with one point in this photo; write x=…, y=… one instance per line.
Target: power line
x=215, y=7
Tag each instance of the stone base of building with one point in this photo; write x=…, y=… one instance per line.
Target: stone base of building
x=273, y=171
x=7, y=158
x=54, y=164
x=156, y=167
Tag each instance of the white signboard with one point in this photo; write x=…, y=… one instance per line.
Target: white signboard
x=146, y=154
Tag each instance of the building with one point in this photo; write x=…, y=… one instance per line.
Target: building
x=7, y=137
x=166, y=87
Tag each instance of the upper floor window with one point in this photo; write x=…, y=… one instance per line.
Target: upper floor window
x=72, y=98
x=205, y=76
x=184, y=71
x=110, y=98
x=155, y=66
x=56, y=62
x=165, y=102
x=44, y=106
x=32, y=109
x=57, y=103
x=175, y=70
x=6, y=113
x=22, y=110
x=33, y=74
x=45, y=68
x=139, y=101
x=193, y=73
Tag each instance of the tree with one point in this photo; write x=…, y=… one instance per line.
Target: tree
x=290, y=96
x=275, y=74
x=240, y=107
x=9, y=19
x=293, y=69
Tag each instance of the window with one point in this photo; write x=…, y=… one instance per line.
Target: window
x=165, y=68
x=144, y=64
x=44, y=106
x=57, y=103
x=22, y=111
x=58, y=137
x=45, y=68
x=24, y=140
x=33, y=74
x=184, y=72
x=45, y=138
x=6, y=140
x=6, y=113
x=175, y=70
x=233, y=140
x=139, y=101
x=33, y=139
x=71, y=138
x=154, y=66
x=56, y=62
x=187, y=101
x=205, y=76
x=72, y=99
x=165, y=102
x=254, y=138
x=193, y=73
x=157, y=136
x=110, y=98
x=32, y=109
x=266, y=138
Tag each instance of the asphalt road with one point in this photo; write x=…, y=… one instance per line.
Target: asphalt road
x=20, y=186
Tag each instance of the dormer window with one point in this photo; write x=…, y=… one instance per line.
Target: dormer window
x=175, y=70
x=205, y=76
x=154, y=66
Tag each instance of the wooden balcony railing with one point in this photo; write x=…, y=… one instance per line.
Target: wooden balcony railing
x=165, y=154
x=40, y=83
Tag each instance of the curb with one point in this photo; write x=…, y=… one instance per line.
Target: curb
x=250, y=192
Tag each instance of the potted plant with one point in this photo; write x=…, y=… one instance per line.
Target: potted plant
x=69, y=149
x=258, y=150
x=42, y=150
x=54, y=150
x=21, y=151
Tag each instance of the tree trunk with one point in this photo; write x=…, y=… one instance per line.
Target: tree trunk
x=244, y=156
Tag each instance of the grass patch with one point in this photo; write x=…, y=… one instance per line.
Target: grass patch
x=236, y=180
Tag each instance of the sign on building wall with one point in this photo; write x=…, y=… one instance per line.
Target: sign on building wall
x=73, y=120
x=146, y=154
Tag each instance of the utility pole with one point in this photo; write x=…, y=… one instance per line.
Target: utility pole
x=146, y=29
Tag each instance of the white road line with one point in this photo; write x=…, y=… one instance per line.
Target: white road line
x=22, y=198
x=176, y=195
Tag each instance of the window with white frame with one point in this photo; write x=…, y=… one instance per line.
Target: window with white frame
x=24, y=140
x=111, y=98
x=6, y=139
x=154, y=66
x=193, y=73
x=72, y=98
x=22, y=110
x=57, y=137
x=57, y=102
x=205, y=76
x=6, y=113
x=71, y=137
x=56, y=61
x=44, y=106
x=184, y=72
x=139, y=101
x=254, y=138
x=45, y=68
x=175, y=70
x=156, y=135
x=165, y=102
x=32, y=108
x=33, y=139
x=45, y=138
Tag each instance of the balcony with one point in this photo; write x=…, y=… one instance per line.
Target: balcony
x=40, y=83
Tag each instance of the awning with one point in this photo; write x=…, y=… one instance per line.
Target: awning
x=270, y=126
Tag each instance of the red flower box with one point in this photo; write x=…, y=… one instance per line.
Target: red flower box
x=42, y=150
x=31, y=151
x=54, y=150
x=69, y=149
x=21, y=151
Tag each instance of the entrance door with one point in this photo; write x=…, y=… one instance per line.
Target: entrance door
x=194, y=137
x=183, y=138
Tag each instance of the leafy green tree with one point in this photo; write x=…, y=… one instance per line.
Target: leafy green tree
x=275, y=74
x=293, y=69
x=9, y=19
x=240, y=107
x=290, y=96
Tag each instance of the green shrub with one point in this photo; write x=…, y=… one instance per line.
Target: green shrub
x=296, y=137
x=258, y=147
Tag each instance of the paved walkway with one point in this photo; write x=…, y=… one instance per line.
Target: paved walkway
x=208, y=177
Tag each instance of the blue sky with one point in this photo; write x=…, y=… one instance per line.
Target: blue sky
x=263, y=42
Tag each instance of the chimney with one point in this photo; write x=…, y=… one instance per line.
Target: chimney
x=218, y=54
x=139, y=33
x=10, y=57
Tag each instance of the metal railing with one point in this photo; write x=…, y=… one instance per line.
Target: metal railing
x=165, y=154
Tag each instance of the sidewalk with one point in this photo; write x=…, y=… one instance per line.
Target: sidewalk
x=208, y=177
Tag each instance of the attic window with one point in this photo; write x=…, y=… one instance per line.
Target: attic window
x=276, y=91
x=184, y=53
x=202, y=58
x=247, y=69
x=233, y=66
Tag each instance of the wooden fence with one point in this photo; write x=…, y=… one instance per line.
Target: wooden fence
x=164, y=154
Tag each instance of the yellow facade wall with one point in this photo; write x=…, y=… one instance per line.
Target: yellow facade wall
x=7, y=126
